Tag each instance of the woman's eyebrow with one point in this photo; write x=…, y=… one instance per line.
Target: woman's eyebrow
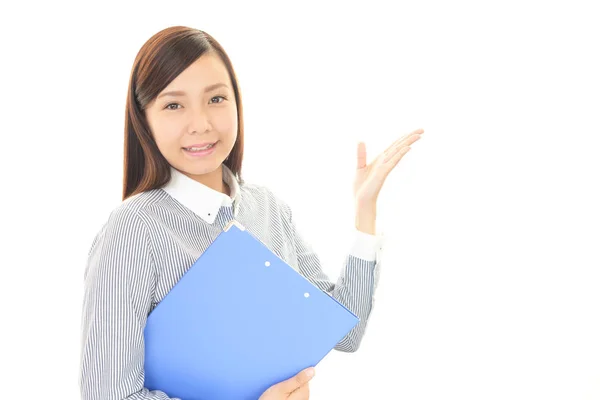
x=182, y=93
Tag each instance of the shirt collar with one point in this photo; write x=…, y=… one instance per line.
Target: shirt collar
x=202, y=200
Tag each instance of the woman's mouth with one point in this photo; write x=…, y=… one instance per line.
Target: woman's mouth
x=202, y=149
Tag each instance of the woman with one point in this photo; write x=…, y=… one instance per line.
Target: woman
x=184, y=143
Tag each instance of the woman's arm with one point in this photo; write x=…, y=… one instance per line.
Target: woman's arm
x=356, y=284
x=118, y=291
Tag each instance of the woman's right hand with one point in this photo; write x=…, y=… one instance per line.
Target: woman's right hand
x=295, y=388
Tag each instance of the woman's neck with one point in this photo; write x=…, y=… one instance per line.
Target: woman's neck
x=213, y=180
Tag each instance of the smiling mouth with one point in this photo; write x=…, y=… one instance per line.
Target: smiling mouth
x=204, y=148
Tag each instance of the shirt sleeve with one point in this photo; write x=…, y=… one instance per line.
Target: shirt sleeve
x=355, y=287
x=366, y=246
x=118, y=290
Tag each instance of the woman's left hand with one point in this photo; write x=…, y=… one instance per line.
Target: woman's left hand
x=370, y=178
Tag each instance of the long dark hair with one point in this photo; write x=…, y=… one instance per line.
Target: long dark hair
x=160, y=60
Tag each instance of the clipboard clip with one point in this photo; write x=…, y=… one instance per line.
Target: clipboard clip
x=232, y=223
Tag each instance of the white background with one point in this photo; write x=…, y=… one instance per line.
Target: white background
x=491, y=283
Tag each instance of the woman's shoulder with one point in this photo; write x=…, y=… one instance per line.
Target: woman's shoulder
x=138, y=203
x=124, y=231
x=130, y=212
x=127, y=218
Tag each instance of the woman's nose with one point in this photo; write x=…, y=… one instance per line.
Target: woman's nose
x=199, y=122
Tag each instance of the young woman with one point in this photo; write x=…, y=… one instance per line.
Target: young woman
x=184, y=145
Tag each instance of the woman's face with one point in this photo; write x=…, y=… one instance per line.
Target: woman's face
x=194, y=119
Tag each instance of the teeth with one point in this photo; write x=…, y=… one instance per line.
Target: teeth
x=200, y=148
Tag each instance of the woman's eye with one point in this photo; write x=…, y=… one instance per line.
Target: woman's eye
x=168, y=107
x=218, y=97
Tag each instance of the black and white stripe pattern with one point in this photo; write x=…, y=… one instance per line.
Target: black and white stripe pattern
x=145, y=247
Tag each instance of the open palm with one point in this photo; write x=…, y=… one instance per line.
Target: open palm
x=370, y=177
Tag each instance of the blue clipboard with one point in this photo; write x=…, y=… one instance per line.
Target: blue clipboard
x=237, y=322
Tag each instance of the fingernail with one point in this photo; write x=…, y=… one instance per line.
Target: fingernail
x=310, y=372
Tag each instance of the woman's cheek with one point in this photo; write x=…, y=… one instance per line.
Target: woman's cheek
x=226, y=123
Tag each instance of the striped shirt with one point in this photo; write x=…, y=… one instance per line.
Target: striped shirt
x=149, y=242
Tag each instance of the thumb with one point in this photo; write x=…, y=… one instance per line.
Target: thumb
x=302, y=378
x=361, y=155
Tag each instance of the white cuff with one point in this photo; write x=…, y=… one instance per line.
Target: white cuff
x=366, y=246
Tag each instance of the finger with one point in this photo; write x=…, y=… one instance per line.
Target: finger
x=394, y=151
x=405, y=140
x=302, y=393
x=393, y=160
x=361, y=156
x=400, y=146
x=302, y=378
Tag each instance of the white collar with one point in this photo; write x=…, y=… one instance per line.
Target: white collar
x=199, y=198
